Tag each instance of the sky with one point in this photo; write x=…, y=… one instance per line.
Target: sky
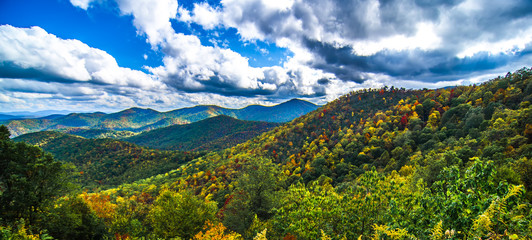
x=109, y=55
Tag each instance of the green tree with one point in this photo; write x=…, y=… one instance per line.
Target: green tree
x=19, y=231
x=180, y=214
x=29, y=178
x=255, y=194
x=72, y=218
x=306, y=212
x=473, y=203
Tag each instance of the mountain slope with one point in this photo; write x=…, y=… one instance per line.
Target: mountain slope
x=96, y=133
x=211, y=134
x=374, y=164
x=200, y=112
x=138, y=119
x=283, y=112
x=105, y=162
x=383, y=162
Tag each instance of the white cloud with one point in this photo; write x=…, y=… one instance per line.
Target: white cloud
x=424, y=39
x=336, y=46
x=34, y=48
x=83, y=4
x=370, y=27
x=32, y=96
x=9, y=100
x=32, y=86
x=40, y=71
x=205, y=15
x=48, y=58
x=151, y=17
x=190, y=66
x=505, y=46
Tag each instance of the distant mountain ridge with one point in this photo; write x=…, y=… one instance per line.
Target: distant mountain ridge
x=7, y=117
x=140, y=119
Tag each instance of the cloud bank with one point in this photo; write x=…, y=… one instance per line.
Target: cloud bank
x=335, y=46
x=404, y=39
x=34, y=53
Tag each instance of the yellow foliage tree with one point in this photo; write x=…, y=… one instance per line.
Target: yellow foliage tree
x=216, y=231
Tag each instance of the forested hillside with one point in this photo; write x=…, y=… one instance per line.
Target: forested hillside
x=211, y=134
x=389, y=163
x=97, y=133
x=106, y=162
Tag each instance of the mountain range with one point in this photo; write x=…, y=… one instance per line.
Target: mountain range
x=138, y=119
x=27, y=114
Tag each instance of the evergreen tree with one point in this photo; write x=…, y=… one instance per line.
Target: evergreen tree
x=29, y=178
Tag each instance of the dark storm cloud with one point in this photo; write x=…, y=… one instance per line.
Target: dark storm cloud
x=214, y=84
x=490, y=21
x=217, y=85
x=351, y=19
x=39, y=87
x=430, y=66
x=469, y=34
x=324, y=81
x=12, y=70
x=436, y=3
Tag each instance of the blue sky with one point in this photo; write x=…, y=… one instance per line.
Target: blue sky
x=108, y=55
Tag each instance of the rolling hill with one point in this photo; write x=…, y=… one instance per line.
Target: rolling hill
x=212, y=134
x=96, y=133
x=139, y=120
x=106, y=162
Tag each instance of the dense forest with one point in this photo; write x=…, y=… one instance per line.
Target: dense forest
x=101, y=163
x=388, y=163
x=212, y=134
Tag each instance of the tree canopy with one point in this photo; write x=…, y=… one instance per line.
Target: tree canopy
x=387, y=163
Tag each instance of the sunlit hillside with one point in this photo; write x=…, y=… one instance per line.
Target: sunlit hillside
x=373, y=164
